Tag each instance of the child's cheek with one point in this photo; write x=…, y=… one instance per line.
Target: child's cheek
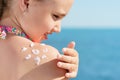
x=49, y=25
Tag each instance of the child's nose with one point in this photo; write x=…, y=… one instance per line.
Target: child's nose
x=57, y=27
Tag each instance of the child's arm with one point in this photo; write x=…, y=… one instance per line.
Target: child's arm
x=48, y=69
x=69, y=60
x=26, y=65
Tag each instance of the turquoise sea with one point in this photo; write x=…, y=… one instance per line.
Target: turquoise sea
x=99, y=51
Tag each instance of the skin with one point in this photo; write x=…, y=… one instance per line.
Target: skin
x=43, y=17
x=15, y=67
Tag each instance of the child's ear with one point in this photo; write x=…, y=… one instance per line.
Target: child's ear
x=24, y=4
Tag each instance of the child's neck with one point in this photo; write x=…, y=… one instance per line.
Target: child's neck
x=10, y=22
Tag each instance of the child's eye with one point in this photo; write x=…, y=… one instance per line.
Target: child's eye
x=56, y=17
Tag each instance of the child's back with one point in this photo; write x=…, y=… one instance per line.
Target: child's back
x=16, y=64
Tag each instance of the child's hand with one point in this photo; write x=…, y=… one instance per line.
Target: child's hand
x=69, y=60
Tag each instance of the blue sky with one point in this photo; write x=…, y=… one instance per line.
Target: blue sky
x=94, y=14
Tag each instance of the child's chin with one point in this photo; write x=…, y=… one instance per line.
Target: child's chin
x=40, y=39
x=44, y=37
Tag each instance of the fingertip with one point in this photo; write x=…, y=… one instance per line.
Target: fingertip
x=68, y=75
x=73, y=42
x=64, y=49
x=59, y=64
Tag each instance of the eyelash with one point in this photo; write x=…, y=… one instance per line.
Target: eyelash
x=56, y=17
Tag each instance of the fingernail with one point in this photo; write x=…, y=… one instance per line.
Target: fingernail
x=64, y=49
x=73, y=42
x=67, y=74
x=59, y=64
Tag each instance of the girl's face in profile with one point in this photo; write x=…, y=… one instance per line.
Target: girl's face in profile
x=44, y=17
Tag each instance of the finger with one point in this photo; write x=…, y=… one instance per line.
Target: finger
x=71, y=44
x=70, y=52
x=67, y=59
x=67, y=66
x=71, y=75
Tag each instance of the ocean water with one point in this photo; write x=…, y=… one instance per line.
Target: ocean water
x=99, y=51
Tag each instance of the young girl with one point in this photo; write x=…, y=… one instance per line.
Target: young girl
x=23, y=25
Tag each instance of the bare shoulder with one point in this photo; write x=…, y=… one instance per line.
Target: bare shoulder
x=36, y=61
